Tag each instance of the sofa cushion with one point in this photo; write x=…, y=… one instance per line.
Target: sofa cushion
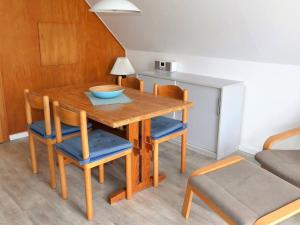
x=283, y=163
x=245, y=192
x=101, y=145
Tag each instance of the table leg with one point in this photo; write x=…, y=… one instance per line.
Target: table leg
x=146, y=151
x=141, y=160
x=133, y=137
x=146, y=154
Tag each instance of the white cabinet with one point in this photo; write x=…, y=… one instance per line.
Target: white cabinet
x=215, y=120
x=149, y=86
x=150, y=81
x=203, y=116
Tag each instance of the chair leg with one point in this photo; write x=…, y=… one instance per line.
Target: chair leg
x=155, y=164
x=101, y=174
x=128, y=176
x=32, y=153
x=51, y=165
x=88, y=193
x=62, y=173
x=183, y=153
x=186, y=208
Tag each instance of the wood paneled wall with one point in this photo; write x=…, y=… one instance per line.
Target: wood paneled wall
x=3, y=118
x=20, y=57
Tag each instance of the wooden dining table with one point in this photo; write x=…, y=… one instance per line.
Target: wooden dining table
x=136, y=116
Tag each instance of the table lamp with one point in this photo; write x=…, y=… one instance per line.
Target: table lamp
x=122, y=67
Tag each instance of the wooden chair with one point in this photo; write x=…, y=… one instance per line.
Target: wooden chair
x=131, y=82
x=88, y=151
x=44, y=131
x=164, y=128
x=241, y=193
x=283, y=163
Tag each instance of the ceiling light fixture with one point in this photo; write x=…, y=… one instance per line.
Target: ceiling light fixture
x=115, y=6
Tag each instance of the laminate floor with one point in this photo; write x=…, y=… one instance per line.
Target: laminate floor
x=27, y=199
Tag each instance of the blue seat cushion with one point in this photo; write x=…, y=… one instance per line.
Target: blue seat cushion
x=39, y=128
x=163, y=126
x=101, y=145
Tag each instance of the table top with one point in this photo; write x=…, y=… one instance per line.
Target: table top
x=143, y=106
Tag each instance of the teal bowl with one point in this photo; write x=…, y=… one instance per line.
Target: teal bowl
x=106, y=91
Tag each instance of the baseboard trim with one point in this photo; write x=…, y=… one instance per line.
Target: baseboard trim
x=243, y=148
x=17, y=136
x=196, y=149
x=249, y=150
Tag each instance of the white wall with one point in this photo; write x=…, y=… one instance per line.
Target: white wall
x=255, y=30
x=251, y=40
x=272, y=96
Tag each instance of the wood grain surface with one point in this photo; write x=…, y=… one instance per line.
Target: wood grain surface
x=28, y=200
x=3, y=118
x=143, y=106
x=58, y=43
x=20, y=59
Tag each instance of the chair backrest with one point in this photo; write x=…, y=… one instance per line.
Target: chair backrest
x=36, y=102
x=62, y=114
x=131, y=82
x=173, y=91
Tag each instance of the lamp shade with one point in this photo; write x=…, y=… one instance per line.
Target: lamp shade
x=122, y=67
x=115, y=6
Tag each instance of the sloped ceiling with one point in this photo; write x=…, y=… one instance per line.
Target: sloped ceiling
x=255, y=30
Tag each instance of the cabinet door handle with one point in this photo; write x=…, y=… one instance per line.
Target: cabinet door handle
x=219, y=106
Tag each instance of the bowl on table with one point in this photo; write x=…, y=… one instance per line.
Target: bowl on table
x=106, y=91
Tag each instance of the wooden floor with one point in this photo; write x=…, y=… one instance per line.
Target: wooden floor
x=27, y=199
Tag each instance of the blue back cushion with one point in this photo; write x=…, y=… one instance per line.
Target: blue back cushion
x=39, y=128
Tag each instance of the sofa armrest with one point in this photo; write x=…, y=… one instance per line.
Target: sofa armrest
x=280, y=214
x=217, y=165
x=280, y=137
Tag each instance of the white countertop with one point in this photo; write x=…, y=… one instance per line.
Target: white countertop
x=191, y=78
